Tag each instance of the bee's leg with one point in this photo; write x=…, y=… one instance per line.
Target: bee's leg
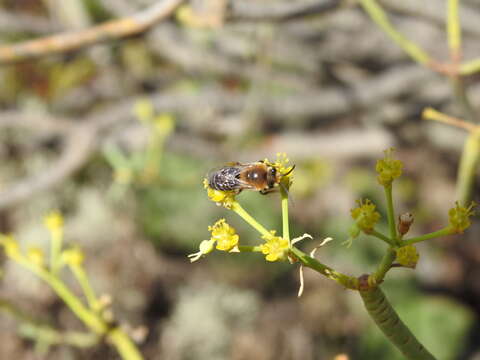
x=268, y=191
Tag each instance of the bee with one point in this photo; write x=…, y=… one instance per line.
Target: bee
x=257, y=176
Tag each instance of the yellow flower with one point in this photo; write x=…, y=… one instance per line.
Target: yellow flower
x=225, y=198
x=459, y=217
x=143, y=109
x=224, y=235
x=276, y=248
x=365, y=216
x=123, y=175
x=281, y=164
x=54, y=221
x=388, y=168
x=36, y=256
x=408, y=256
x=10, y=246
x=283, y=167
x=73, y=256
x=164, y=124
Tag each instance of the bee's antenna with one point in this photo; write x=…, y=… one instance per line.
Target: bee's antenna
x=289, y=171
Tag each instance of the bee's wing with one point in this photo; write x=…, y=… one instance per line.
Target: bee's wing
x=232, y=164
x=231, y=171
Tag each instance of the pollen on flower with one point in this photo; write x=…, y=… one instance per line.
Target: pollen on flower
x=365, y=215
x=275, y=247
x=388, y=168
x=224, y=235
x=54, y=221
x=224, y=198
x=408, y=256
x=283, y=167
x=459, y=217
x=282, y=163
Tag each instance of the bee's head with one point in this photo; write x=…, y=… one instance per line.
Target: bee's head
x=273, y=176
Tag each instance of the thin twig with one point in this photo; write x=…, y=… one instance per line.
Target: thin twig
x=432, y=114
x=73, y=40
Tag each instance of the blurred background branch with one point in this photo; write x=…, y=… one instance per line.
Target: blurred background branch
x=69, y=41
x=243, y=79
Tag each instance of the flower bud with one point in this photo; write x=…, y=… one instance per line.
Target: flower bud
x=459, y=217
x=388, y=168
x=404, y=222
x=275, y=247
x=365, y=216
x=408, y=256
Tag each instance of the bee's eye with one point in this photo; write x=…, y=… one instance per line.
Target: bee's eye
x=273, y=171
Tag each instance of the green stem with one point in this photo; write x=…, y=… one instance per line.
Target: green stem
x=388, y=321
x=442, y=232
x=345, y=280
x=384, y=266
x=55, y=249
x=247, y=248
x=454, y=30
x=391, y=213
x=249, y=219
x=87, y=289
x=89, y=318
x=468, y=167
x=380, y=18
x=124, y=345
x=285, y=219
x=382, y=237
x=470, y=67
x=38, y=331
x=120, y=340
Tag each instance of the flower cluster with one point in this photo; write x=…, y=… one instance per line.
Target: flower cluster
x=388, y=169
x=224, y=198
x=223, y=235
x=365, y=215
x=282, y=165
x=53, y=221
x=73, y=256
x=10, y=246
x=459, y=217
x=275, y=247
x=407, y=256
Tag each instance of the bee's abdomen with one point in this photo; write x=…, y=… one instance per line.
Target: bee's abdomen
x=225, y=179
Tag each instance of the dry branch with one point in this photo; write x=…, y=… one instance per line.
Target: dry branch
x=73, y=40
